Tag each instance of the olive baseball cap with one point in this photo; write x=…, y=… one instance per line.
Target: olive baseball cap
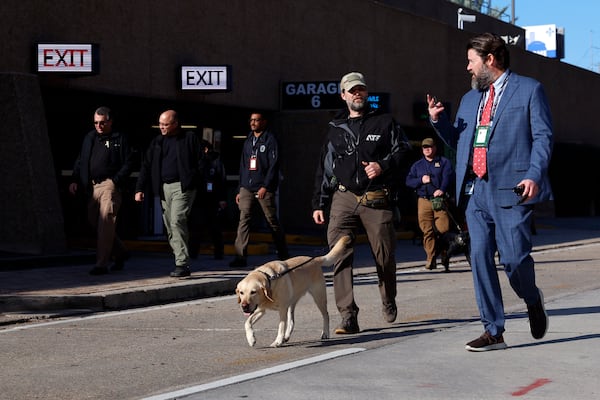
x=427, y=142
x=352, y=79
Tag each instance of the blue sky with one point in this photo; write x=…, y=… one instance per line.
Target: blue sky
x=579, y=18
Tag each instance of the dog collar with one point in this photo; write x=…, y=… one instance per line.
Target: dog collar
x=270, y=277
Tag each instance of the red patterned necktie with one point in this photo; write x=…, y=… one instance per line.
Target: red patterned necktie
x=480, y=153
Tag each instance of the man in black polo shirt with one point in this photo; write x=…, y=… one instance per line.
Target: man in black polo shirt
x=103, y=165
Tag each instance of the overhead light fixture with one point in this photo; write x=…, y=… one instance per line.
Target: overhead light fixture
x=464, y=18
x=182, y=127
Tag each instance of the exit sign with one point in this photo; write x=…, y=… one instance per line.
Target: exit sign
x=206, y=78
x=80, y=58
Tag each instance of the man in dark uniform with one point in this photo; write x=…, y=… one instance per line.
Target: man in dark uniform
x=259, y=180
x=356, y=177
x=103, y=165
x=210, y=203
x=431, y=177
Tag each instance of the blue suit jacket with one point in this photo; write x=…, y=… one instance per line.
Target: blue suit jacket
x=520, y=143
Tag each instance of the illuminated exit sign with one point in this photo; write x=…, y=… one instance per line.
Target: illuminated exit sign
x=66, y=58
x=206, y=78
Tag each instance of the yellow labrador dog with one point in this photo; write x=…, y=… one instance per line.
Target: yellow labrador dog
x=278, y=285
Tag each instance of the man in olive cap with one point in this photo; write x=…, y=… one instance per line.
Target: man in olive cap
x=431, y=177
x=367, y=148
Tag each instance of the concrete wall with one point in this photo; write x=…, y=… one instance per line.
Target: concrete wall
x=142, y=43
x=404, y=51
x=31, y=215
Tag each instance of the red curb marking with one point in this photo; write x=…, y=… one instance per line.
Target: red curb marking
x=538, y=383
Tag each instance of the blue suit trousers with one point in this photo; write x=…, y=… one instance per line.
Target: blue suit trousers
x=506, y=230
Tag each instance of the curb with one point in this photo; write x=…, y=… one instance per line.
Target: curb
x=122, y=299
x=182, y=290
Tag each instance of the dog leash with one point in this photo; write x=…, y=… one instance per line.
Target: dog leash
x=279, y=275
x=452, y=218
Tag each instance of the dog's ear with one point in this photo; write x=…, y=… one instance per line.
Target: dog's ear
x=237, y=293
x=267, y=293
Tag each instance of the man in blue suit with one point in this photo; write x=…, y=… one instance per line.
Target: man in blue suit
x=503, y=153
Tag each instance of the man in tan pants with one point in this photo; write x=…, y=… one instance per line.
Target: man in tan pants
x=431, y=177
x=356, y=177
x=103, y=165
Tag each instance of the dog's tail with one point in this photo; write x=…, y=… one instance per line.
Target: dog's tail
x=337, y=251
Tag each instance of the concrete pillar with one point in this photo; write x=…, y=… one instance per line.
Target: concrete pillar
x=31, y=219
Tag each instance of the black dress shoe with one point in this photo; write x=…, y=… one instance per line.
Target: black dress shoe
x=99, y=271
x=180, y=272
x=538, y=318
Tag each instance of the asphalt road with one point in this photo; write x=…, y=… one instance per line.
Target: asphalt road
x=139, y=353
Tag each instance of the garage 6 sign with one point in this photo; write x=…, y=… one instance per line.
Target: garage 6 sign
x=322, y=95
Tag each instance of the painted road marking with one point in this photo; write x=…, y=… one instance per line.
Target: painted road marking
x=538, y=383
x=254, y=375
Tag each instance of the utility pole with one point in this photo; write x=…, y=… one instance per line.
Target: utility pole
x=512, y=12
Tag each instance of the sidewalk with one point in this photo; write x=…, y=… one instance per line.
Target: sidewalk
x=60, y=290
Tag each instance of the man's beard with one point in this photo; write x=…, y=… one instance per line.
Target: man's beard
x=482, y=81
x=354, y=106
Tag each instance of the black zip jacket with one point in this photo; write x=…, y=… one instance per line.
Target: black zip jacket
x=266, y=151
x=121, y=159
x=379, y=139
x=188, y=160
x=214, y=174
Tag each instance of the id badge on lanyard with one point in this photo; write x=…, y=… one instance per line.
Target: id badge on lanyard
x=482, y=136
x=253, y=163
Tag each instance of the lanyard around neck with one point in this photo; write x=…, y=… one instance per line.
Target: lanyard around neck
x=497, y=95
